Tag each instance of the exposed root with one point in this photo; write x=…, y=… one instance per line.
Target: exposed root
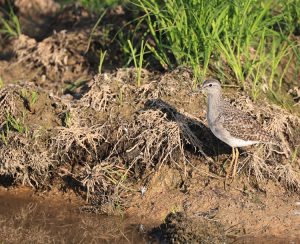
x=26, y=160
x=103, y=180
x=257, y=165
x=100, y=95
x=57, y=56
x=288, y=176
x=273, y=161
x=153, y=140
x=12, y=102
x=79, y=142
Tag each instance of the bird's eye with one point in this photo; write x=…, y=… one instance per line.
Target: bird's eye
x=210, y=85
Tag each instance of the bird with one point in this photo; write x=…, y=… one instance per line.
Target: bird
x=231, y=125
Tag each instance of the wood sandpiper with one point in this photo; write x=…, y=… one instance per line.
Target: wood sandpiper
x=231, y=125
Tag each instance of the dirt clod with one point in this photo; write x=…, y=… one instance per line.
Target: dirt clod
x=178, y=228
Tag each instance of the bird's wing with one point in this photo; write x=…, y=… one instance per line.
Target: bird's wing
x=241, y=125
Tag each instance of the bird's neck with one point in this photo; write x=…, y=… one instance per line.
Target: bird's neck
x=213, y=106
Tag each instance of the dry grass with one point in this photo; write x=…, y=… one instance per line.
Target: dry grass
x=288, y=176
x=22, y=154
x=12, y=101
x=37, y=7
x=58, y=57
x=80, y=140
x=118, y=133
x=109, y=91
x=257, y=165
x=8, y=103
x=153, y=140
x=26, y=160
x=103, y=178
x=158, y=135
x=100, y=95
x=86, y=142
x=270, y=161
x=139, y=143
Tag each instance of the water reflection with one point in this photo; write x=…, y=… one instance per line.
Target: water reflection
x=28, y=220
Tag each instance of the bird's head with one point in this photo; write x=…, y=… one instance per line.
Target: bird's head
x=211, y=86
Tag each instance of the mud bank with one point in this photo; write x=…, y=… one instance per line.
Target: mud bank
x=88, y=144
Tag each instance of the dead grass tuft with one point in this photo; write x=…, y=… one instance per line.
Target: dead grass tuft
x=153, y=140
x=274, y=161
x=104, y=181
x=288, y=176
x=284, y=126
x=158, y=136
x=24, y=46
x=257, y=165
x=26, y=160
x=81, y=140
x=12, y=101
x=37, y=7
x=108, y=91
x=100, y=96
x=58, y=57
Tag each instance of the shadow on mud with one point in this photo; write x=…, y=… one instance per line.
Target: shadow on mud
x=205, y=140
x=6, y=180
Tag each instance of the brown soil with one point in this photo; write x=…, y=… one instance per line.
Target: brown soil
x=107, y=145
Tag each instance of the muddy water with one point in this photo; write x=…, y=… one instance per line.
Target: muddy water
x=27, y=219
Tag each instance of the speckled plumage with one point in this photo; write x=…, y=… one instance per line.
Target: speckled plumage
x=242, y=125
x=229, y=124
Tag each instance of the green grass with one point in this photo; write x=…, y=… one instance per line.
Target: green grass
x=138, y=59
x=67, y=119
x=98, y=4
x=101, y=60
x=16, y=124
x=244, y=41
x=94, y=5
x=30, y=97
x=13, y=124
x=1, y=82
x=10, y=26
x=71, y=88
x=93, y=30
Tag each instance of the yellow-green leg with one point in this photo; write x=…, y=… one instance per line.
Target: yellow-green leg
x=231, y=164
x=235, y=163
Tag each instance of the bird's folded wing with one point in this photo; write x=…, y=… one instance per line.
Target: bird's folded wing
x=243, y=126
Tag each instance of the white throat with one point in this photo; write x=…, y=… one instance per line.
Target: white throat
x=213, y=106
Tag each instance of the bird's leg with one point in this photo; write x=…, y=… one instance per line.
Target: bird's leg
x=231, y=163
x=235, y=163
